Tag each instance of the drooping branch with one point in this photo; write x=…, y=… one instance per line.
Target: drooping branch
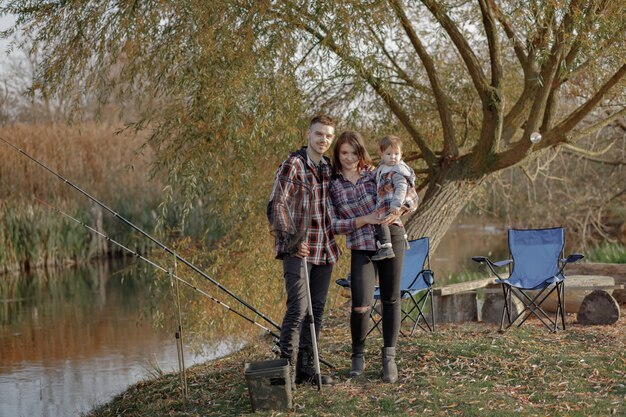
x=326, y=40
x=580, y=113
x=398, y=70
x=518, y=47
x=465, y=50
x=587, y=152
x=449, y=140
x=617, y=162
x=589, y=130
x=492, y=39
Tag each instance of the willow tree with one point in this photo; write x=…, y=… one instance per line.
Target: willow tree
x=222, y=84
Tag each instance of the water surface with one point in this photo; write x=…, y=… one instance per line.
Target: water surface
x=74, y=339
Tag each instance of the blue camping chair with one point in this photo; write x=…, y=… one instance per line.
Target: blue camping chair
x=536, y=265
x=416, y=278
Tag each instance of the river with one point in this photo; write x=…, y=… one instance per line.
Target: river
x=76, y=338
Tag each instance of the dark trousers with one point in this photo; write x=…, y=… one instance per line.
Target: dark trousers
x=295, y=330
x=383, y=234
x=363, y=280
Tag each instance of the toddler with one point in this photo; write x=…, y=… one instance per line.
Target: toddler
x=393, y=179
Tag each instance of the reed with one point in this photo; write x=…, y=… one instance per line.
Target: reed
x=607, y=253
x=110, y=165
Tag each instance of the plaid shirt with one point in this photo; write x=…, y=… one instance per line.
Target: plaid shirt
x=386, y=191
x=319, y=236
x=351, y=201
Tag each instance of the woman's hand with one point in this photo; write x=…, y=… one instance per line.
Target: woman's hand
x=391, y=217
x=371, y=218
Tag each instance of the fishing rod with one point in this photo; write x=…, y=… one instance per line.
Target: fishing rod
x=160, y=268
x=154, y=240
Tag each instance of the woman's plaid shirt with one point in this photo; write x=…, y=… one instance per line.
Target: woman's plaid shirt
x=320, y=238
x=351, y=201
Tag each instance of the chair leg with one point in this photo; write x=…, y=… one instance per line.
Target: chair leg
x=562, y=285
x=373, y=313
x=532, y=306
x=505, y=307
x=560, y=292
x=432, y=308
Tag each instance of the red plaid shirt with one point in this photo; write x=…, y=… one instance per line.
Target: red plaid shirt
x=319, y=237
x=351, y=201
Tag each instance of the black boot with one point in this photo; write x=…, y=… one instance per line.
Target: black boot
x=305, y=368
x=358, y=361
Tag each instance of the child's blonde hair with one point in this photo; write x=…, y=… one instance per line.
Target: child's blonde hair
x=390, y=141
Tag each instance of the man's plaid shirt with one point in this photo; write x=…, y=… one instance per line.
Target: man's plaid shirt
x=319, y=237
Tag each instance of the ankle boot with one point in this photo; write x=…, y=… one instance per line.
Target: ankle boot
x=358, y=361
x=390, y=370
x=305, y=368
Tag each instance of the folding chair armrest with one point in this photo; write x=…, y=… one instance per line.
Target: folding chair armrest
x=480, y=259
x=498, y=264
x=574, y=257
x=428, y=276
x=491, y=264
x=344, y=282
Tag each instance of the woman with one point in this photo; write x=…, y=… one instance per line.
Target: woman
x=353, y=193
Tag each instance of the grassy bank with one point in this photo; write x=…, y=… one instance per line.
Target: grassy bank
x=468, y=369
x=105, y=164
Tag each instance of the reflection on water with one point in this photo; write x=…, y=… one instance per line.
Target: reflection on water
x=70, y=341
x=468, y=237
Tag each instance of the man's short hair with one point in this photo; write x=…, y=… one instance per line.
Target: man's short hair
x=390, y=141
x=323, y=119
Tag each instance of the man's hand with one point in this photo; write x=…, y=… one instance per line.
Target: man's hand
x=303, y=251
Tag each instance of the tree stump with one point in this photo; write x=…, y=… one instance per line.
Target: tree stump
x=491, y=311
x=456, y=308
x=599, y=307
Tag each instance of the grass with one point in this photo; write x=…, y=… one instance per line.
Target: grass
x=462, y=369
x=607, y=253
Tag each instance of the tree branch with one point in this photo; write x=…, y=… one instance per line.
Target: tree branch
x=467, y=54
x=589, y=130
x=400, y=72
x=518, y=47
x=577, y=115
x=617, y=162
x=587, y=152
x=492, y=39
x=357, y=66
x=449, y=140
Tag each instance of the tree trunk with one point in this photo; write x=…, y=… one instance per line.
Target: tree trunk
x=441, y=205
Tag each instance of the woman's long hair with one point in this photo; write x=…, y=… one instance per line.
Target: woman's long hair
x=355, y=140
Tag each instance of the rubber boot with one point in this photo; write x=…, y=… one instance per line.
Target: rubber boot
x=305, y=368
x=390, y=370
x=358, y=361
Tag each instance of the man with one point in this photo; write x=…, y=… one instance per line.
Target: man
x=301, y=223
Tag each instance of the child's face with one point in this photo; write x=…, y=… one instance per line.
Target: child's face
x=391, y=156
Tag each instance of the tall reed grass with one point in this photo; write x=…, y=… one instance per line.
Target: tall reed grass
x=110, y=166
x=607, y=253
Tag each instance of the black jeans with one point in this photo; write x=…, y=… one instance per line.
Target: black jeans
x=363, y=280
x=383, y=233
x=295, y=330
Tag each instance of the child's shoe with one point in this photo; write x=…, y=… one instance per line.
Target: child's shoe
x=384, y=252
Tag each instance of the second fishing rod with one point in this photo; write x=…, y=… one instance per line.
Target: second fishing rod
x=151, y=238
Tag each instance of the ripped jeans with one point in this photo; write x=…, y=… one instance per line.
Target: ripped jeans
x=363, y=281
